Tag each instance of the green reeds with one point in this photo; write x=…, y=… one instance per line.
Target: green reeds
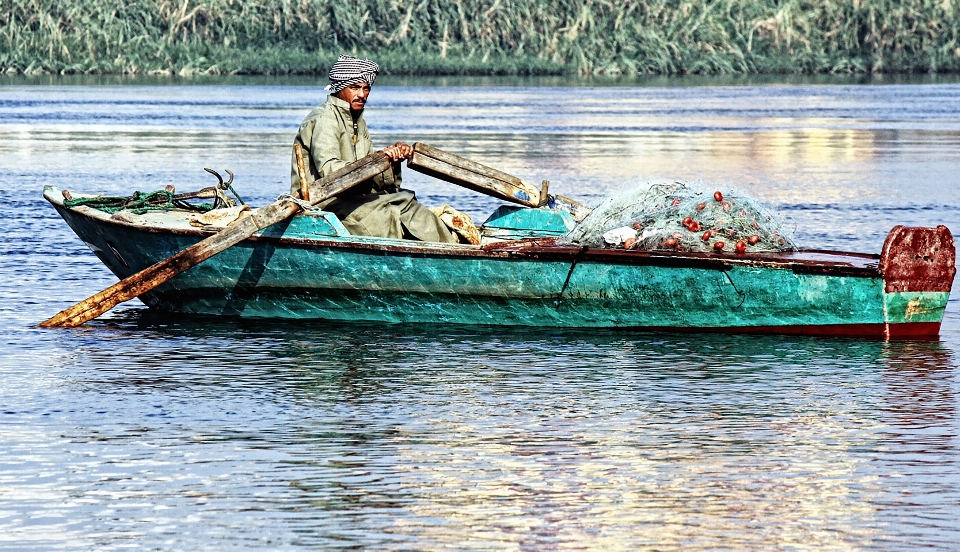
x=500, y=37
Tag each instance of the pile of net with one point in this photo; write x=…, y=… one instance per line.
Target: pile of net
x=689, y=217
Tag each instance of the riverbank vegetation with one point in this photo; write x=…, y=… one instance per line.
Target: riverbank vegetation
x=480, y=37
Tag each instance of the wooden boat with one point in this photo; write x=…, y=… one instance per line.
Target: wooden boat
x=310, y=267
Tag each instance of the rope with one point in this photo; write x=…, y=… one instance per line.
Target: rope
x=235, y=194
x=301, y=203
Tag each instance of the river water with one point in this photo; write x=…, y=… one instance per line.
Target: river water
x=144, y=431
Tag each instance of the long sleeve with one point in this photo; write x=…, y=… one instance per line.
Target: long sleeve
x=327, y=135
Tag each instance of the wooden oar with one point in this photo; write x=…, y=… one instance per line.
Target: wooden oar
x=261, y=218
x=487, y=180
x=469, y=174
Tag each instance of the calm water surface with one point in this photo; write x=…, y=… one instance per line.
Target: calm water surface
x=144, y=431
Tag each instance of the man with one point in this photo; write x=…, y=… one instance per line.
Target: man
x=335, y=134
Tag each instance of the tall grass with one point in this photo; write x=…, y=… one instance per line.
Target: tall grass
x=480, y=36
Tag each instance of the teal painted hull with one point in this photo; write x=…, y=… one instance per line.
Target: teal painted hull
x=291, y=273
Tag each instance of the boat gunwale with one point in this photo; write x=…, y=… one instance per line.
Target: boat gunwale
x=530, y=248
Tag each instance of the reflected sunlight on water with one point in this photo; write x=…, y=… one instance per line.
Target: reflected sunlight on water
x=177, y=433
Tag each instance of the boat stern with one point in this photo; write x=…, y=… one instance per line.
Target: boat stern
x=918, y=266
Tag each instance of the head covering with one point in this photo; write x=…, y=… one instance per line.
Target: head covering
x=350, y=70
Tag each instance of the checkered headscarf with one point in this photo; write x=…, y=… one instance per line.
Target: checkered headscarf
x=350, y=70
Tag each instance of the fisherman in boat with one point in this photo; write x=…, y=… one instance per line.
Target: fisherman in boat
x=335, y=134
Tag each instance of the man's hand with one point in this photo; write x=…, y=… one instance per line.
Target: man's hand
x=398, y=152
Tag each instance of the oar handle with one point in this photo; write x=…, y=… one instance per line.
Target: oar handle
x=302, y=173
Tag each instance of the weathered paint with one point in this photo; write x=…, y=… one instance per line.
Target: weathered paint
x=312, y=224
x=309, y=269
x=705, y=298
x=549, y=221
x=918, y=261
x=509, y=222
x=915, y=306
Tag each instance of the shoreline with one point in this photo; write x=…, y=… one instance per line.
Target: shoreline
x=482, y=37
x=574, y=81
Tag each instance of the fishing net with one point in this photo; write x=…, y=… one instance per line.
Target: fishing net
x=692, y=217
x=140, y=203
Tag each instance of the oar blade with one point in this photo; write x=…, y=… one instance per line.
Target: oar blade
x=470, y=174
x=457, y=170
x=155, y=275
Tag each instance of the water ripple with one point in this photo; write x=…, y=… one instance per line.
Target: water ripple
x=148, y=431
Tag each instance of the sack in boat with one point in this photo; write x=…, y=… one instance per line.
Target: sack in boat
x=219, y=218
x=459, y=223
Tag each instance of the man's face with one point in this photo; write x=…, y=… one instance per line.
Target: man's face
x=355, y=95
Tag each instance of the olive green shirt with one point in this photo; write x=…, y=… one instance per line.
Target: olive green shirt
x=334, y=136
x=344, y=139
